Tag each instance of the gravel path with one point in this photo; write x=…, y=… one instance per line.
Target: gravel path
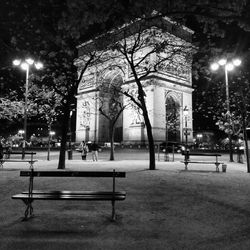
x=167, y=208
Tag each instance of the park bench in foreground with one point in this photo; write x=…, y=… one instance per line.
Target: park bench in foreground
x=208, y=156
x=7, y=158
x=29, y=196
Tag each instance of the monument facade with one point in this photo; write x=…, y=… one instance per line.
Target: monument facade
x=167, y=87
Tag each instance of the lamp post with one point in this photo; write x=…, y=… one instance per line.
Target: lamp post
x=21, y=132
x=25, y=65
x=228, y=66
x=166, y=155
x=199, y=138
x=51, y=133
x=185, y=113
x=70, y=136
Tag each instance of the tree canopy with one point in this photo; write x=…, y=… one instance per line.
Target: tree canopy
x=51, y=30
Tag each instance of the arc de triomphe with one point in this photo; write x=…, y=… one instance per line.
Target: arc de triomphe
x=167, y=92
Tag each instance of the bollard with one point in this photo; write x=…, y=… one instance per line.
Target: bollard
x=69, y=154
x=224, y=168
x=166, y=156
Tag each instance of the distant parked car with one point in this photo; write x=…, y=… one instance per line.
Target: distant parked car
x=108, y=144
x=58, y=144
x=179, y=148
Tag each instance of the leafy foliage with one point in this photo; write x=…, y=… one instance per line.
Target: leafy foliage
x=10, y=109
x=230, y=124
x=211, y=102
x=46, y=103
x=54, y=28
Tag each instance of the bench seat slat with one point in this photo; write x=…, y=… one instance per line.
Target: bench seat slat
x=70, y=197
x=73, y=174
x=74, y=192
x=16, y=160
x=203, y=162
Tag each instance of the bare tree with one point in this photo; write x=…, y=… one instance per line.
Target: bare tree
x=111, y=107
x=147, y=48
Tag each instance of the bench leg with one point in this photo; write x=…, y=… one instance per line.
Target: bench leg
x=31, y=165
x=217, y=167
x=113, y=210
x=29, y=209
x=186, y=165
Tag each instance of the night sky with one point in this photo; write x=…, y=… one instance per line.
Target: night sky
x=29, y=27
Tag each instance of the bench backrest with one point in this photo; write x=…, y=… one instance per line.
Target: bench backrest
x=20, y=152
x=31, y=153
x=73, y=174
x=205, y=154
x=31, y=174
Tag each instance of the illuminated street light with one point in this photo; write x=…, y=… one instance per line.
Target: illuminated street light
x=52, y=133
x=228, y=66
x=38, y=65
x=30, y=61
x=237, y=62
x=17, y=62
x=25, y=65
x=199, y=139
x=21, y=132
x=222, y=62
x=214, y=66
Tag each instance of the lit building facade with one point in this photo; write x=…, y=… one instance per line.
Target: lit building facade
x=168, y=90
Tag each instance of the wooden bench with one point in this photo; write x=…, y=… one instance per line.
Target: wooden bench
x=31, y=161
x=216, y=162
x=29, y=196
x=8, y=154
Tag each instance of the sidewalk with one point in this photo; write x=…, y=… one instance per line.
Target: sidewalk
x=167, y=208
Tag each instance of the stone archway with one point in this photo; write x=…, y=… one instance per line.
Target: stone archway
x=172, y=118
x=167, y=90
x=109, y=101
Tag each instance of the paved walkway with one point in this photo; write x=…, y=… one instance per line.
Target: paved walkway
x=168, y=208
x=129, y=159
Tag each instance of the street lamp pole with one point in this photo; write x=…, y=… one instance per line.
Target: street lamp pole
x=25, y=65
x=228, y=66
x=166, y=155
x=228, y=114
x=70, y=138
x=185, y=113
x=227, y=90
x=51, y=133
x=25, y=112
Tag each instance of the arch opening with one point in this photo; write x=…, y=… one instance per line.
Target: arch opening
x=172, y=119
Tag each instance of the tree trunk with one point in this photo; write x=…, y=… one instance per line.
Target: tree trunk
x=247, y=150
x=150, y=142
x=231, y=158
x=246, y=142
x=111, y=138
x=49, y=139
x=148, y=127
x=61, y=163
